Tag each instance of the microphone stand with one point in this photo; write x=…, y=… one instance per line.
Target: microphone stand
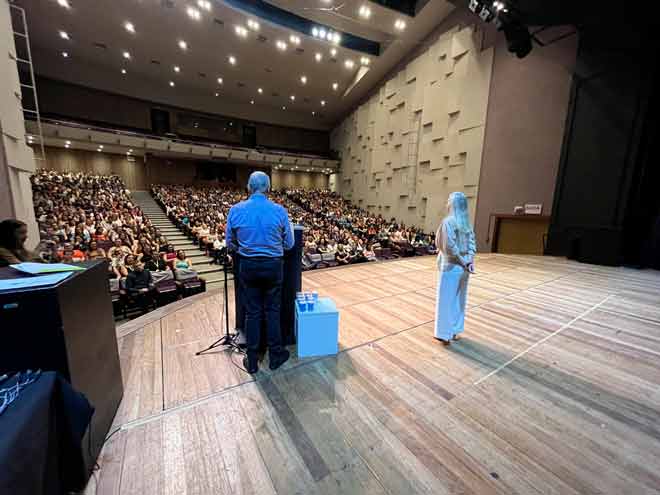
x=228, y=339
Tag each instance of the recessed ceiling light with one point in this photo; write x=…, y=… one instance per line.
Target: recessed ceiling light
x=126, y=55
x=131, y=150
x=365, y=12
x=100, y=146
x=335, y=86
x=217, y=94
x=241, y=31
x=252, y=24
x=295, y=40
x=232, y=60
x=322, y=103
x=313, y=112
x=333, y=52
x=129, y=27
x=177, y=69
x=193, y=13
x=64, y=35
x=260, y=91
x=315, y=32
x=220, y=80
x=293, y=97
x=64, y=3
x=281, y=45
x=65, y=54
x=336, y=38
x=172, y=84
x=251, y=102
x=318, y=57
x=183, y=45
x=349, y=64
x=123, y=71
x=204, y=4
x=322, y=33
x=365, y=61
x=67, y=146
x=283, y=108
x=303, y=79
x=399, y=24
x=68, y=143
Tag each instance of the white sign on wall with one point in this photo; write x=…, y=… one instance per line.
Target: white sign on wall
x=533, y=209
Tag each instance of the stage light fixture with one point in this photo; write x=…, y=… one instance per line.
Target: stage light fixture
x=518, y=37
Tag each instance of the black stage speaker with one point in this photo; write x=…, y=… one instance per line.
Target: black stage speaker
x=67, y=327
x=291, y=284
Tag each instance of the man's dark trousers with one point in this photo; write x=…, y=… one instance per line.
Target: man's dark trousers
x=261, y=286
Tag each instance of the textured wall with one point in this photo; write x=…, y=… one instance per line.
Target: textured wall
x=282, y=179
x=420, y=136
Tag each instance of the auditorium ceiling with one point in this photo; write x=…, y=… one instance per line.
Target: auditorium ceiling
x=291, y=62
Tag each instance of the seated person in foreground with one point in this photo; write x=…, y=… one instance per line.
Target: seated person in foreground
x=138, y=285
x=13, y=234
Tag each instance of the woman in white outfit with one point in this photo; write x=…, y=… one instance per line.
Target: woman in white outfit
x=456, y=243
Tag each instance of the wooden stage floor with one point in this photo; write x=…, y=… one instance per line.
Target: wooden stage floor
x=554, y=389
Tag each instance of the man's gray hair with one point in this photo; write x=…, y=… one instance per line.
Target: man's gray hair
x=258, y=182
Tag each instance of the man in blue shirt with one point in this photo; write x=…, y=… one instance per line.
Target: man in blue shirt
x=259, y=231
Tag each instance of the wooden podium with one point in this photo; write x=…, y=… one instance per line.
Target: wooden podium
x=67, y=327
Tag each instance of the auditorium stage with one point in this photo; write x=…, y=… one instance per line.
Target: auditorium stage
x=554, y=389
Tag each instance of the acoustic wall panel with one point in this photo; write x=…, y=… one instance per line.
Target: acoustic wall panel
x=420, y=136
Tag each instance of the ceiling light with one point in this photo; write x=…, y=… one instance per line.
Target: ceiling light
x=220, y=81
x=322, y=103
x=99, y=150
x=100, y=146
x=131, y=150
x=315, y=32
x=172, y=84
x=252, y=24
x=283, y=108
x=318, y=57
x=251, y=102
x=336, y=38
x=333, y=52
x=126, y=55
x=204, y=4
x=183, y=45
x=65, y=54
x=67, y=146
x=322, y=33
x=365, y=12
x=399, y=24
x=123, y=71
x=64, y=3
x=349, y=64
x=241, y=31
x=295, y=40
x=260, y=91
x=293, y=97
x=129, y=27
x=177, y=69
x=335, y=86
x=193, y=13
x=365, y=61
x=217, y=94
x=232, y=60
x=281, y=45
x=67, y=143
x=313, y=112
x=64, y=35
x=303, y=79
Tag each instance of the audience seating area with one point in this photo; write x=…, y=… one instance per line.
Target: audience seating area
x=89, y=217
x=339, y=233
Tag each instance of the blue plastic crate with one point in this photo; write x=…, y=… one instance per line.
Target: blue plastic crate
x=317, y=331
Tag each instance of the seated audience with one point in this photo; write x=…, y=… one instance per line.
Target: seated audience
x=182, y=262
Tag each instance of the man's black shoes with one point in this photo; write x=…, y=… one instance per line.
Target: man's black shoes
x=250, y=367
x=278, y=361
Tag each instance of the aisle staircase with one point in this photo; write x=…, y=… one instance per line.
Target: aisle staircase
x=201, y=263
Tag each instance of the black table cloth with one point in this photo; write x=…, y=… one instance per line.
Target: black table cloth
x=41, y=434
